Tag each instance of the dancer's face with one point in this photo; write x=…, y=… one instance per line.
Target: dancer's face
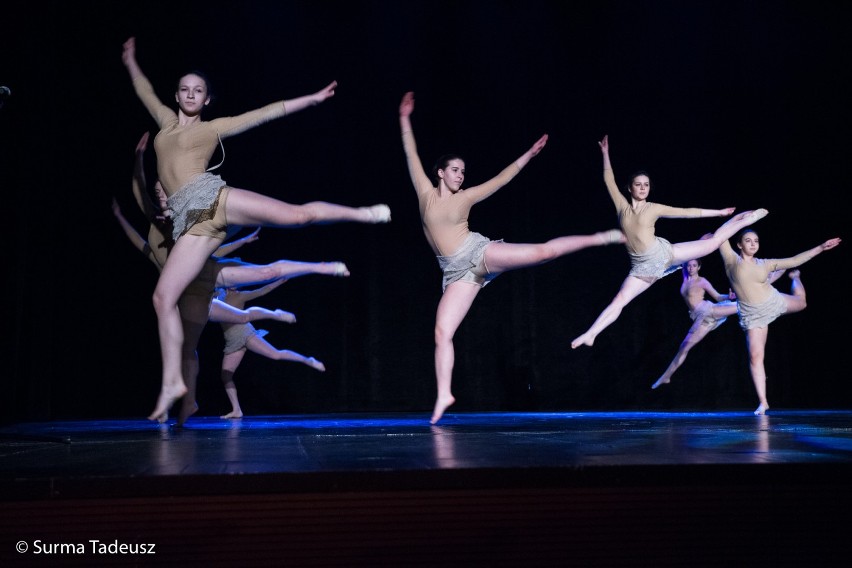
x=453, y=175
x=192, y=94
x=692, y=268
x=640, y=187
x=749, y=243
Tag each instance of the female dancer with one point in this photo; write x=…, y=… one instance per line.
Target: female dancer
x=203, y=206
x=240, y=338
x=759, y=302
x=653, y=257
x=706, y=315
x=197, y=305
x=469, y=260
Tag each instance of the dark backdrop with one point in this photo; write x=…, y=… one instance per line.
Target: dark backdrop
x=724, y=103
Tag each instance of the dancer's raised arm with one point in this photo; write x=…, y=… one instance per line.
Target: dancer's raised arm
x=470, y=260
x=144, y=90
x=480, y=192
x=419, y=179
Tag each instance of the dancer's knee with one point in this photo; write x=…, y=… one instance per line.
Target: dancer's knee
x=755, y=358
x=542, y=253
x=300, y=215
x=162, y=302
x=443, y=336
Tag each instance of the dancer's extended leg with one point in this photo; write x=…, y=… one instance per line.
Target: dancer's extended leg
x=501, y=257
x=248, y=208
x=684, y=252
x=630, y=288
x=693, y=337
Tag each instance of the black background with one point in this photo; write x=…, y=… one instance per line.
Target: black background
x=739, y=104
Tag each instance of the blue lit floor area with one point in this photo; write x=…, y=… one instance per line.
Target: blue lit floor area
x=295, y=452
x=479, y=489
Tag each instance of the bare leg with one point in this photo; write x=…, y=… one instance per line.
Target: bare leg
x=707, y=244
x=193, y=311
x=233, y=275
x=248, y=208
x=756, y=342
x=693, y=337
x=630, y=288
x=756, y=338
x=183, y=264
x=500, y=257
x=222, y=312
x=259, y=345
x=230, y=363
x=697, y=332
x=453, y=307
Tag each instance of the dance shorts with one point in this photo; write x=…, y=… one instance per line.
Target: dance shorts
x=237, y=336
x=655, y=263
x=703, y=315
x=762, y=314
x=198, y=208
x=468, y=263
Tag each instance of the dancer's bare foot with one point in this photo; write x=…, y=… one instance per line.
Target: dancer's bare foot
x=186, y=410
x=441, y=405
x=761, y=410
x=661, y=381
x=233, y=414
x=379, y=213
x=339, y=269
x=168, y=396
x=286, y=317
x=611, y=237
x=586, y=339
x=311, y=362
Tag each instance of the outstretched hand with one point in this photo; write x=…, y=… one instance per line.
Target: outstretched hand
x=253, y=236
x=830, y=244
x=604, y=144
x=325, y=93
x=406, y=107
x=129, y=52
x=727, y=211
x=539, y=144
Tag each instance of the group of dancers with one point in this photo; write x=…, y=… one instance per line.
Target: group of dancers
x=199, y=212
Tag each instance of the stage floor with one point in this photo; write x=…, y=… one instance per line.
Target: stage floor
x=532, y=487
x=126, y=456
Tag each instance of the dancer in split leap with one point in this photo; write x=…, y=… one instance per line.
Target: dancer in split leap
x=652, y=257
x=203, y=207
x=198, y=304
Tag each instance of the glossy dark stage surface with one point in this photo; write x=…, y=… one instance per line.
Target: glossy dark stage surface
x=493, y=488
